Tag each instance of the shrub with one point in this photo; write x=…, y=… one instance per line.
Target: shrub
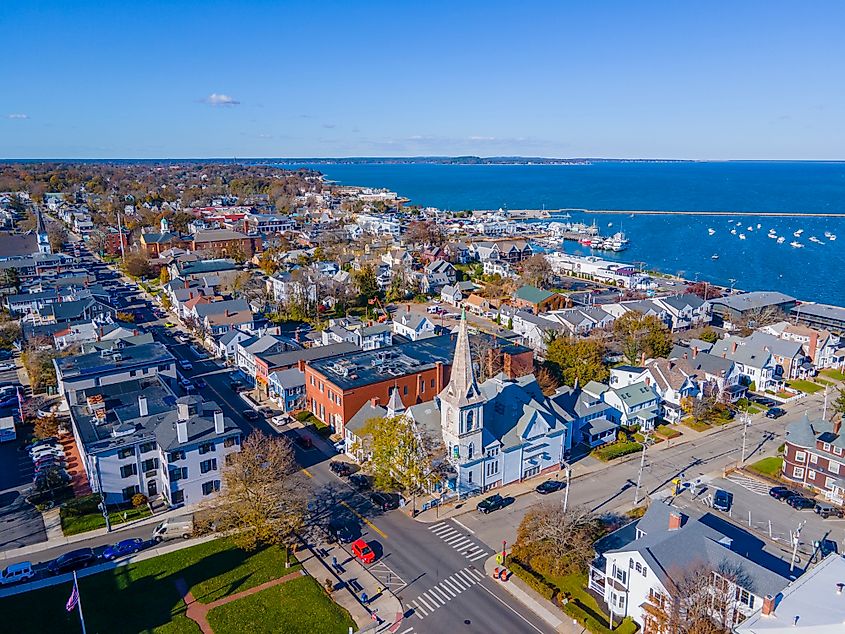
x=81, y=506
x=546, y=590
x=302, y=416
x=138, y=500
x=593, y=622
x=617, y=450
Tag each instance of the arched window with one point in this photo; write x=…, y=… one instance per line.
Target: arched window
x=470, y=415
x=470, y=451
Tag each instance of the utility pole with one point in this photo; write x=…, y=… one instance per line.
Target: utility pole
x=824, y=410
x=120, y=237
x=746, y=418
x=795, y=539
x=640, y=475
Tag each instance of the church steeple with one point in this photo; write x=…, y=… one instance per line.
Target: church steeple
x=395, y=406
x=462, y=388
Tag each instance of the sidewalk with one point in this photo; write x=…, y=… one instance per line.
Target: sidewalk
x=351, y=579
x=56, y=538
x=584, y=467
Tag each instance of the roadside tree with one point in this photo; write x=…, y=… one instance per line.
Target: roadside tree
x=262, y=499
x=577, y=359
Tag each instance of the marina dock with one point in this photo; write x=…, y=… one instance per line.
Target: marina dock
x=759, y=214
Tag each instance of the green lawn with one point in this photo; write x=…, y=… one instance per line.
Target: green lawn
x=75, y=524
x=142, y=597
x=586, y=609
x=768, y=466
x=805, y=386
x=299, y=606
x=695, y=425
x=831, y=373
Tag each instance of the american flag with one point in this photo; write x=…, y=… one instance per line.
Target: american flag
x=73, y=599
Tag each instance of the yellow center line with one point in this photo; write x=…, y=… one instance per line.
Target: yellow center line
x=307, y=472
x=365, y=520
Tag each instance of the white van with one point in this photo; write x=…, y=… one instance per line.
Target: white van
x=173, y=529
x=17, y=572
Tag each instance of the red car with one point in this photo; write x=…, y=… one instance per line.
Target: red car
x=362, y=551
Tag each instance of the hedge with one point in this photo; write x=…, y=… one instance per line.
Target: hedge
x=617, y=450
x=545, y=589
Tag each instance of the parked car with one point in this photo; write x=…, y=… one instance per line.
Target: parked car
x=122, y=548
x=800, y=503
x=200, y=383
x=250, y=414
x=828, y=510
x=362, y=551
x=281, y=419
x=549, y=486
x=775, y=412
x=781, y=494
x=185, y=364
x=385, y=501
x=44, y=442
x=169, y=324
x=360, y=482
x=73, y=560
x=173, y=529
x=343, y=531
x=722, y=500
x=6, y=366
x=47, y=450
x=236, y=385
x=342, y=469
x=340, y=446
x=14, y=573
x=490, y=504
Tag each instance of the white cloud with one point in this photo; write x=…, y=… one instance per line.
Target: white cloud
x=17, y=115
x=219, y=99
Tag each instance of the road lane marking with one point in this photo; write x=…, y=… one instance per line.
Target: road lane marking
x=437, y=601
x=454, y=539
x=481, y=555
x=431, y=528
x=449, y=532
x=469, y=578
x=440, y=591
x=451, y=585
x=418, y=610
x=477, y=573
x=410, y=629
x=459, y=581
x=307, y=472
x=442, y=586
x=464, y=527
x=512, y=610
x=365, y=520
x=472, y=549
x=427, y=606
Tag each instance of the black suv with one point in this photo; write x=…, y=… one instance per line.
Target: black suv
x=342, y=531
x=73, y=560
x=360, y=482
x=781, y=494
x=385, y=501
x=490, y=504
x=775, y=412
x=341, y=469
x=549, y=486
x=799, y=502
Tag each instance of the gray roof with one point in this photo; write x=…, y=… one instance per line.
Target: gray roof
x=754, y=356
x=704, y=361
x=680, y=302
x=825, y=311
x=776, y=345
x=213, y=235
x=290, y=378
x=805, y=432
x=635, y=394
x=577, y=403
x=216, y=308
x=147, y=354
x=754, y=300
x=704, y=539
x=367, y=411
x=293, y=357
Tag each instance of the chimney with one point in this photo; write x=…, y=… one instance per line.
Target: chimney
x=685, y=356
x=694, y=352
x=182, y=431
x=837, y=424
x=642, y=359
x=814, y=343
x=218, y=421
x=185, y=282
x=142, y=406
x=100, y=338
x=374, y=401
x=676, y=520
x=768, y=605
x=734, y=346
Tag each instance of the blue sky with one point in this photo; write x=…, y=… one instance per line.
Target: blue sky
x=739, y=80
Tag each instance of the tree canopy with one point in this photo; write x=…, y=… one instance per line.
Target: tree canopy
x=640, y=334
x=577, y=359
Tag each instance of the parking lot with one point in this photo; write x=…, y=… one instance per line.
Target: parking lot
x=20, y=523
x=753, y=508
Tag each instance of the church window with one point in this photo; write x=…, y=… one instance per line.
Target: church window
x=470, y=415
x=470, y=451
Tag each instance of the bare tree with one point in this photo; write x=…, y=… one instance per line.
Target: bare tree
x=261, y=501
x=553, y=541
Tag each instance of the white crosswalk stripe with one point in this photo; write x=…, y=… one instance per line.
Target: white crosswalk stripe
x=448, y=588
x=464, y=544
x=755, y=486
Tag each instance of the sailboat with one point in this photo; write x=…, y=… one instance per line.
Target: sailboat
x=742, y=236
x=781, y=240
x=711, y=231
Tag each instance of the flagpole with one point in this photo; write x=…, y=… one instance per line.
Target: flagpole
x=79, y=602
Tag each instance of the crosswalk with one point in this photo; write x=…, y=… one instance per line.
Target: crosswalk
x=755, y=486
x=464, y=545
x=449, y=588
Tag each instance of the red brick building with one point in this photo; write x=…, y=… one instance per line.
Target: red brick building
x=814, y=457
x=335, y=389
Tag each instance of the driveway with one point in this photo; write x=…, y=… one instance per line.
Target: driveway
x=20, y=523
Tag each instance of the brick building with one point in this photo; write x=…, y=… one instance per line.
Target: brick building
x=336, y=388
x=814, y=457
x=219, y=242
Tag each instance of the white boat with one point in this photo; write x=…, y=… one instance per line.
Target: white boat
x=715, y=256
x=798, y=233
x=750, y=228
x=733, y=231
x=827, y=234
x=832, y=237
x=816, y=240
x=609, y=224
x=711, y=231
x=773, y=235
x=796, y=245
x=781, y=240
x=759, y=226
x=738, y=223
x=742, y=236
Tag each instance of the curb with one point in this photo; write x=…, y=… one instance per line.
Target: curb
x=525, y=597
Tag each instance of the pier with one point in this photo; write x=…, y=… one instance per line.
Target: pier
x=759, y=214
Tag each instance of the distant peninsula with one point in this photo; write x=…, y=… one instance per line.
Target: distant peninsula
x=459, y=160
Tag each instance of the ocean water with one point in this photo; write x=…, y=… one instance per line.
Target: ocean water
x=672, y=244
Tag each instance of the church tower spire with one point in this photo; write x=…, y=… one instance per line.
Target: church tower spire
x=462, y=388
